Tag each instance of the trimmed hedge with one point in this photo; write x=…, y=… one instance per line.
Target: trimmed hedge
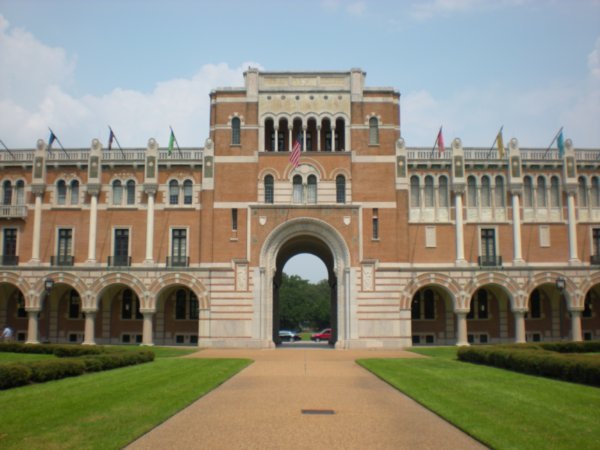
x=72, y=361
x=540, y=359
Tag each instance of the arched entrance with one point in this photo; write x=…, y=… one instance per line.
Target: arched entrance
x=318, y=238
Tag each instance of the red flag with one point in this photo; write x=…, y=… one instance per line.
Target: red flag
x=295, y=155
x=440, y=142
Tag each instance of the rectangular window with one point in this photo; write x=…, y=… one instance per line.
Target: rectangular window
x=488, y=246
x=65, y=245
x=193, y=306
x=179, y=247
x=596, y=242
x=234, y=219
x=375, y=223
x=74, y=306
x=544, y=236
x=9, y=247
x=121, y=249
x=180, y=307
x=430, y=240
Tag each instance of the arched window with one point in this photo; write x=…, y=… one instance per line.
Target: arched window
x=74, y=192
x=535, y=305
x=429, y=191
x=20, y=186
x=131, y=192
x=180, y=301
x=173, y=192
x=194, y=306
x=583, y=197
x=528, y=192
x=373, y=131
x=74, y=304
x=541, y=192
x=7, y=192
x=235, y=131
x=187, y=192
x=554, y=192
x=415, y=192
x=61, y=192
x=340, y=134
x=312, y=189
x=269, y=189
x=340, y=189
x=117, y=192
x=443, y=191
x=595, y=192
x=499, y=192
x=297, y=183
x=472, y=191
x=486, y=197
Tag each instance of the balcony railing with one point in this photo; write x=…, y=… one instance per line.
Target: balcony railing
x=10, y=260
x=178, y=261
x=62, y=260
x=489, y=261
x=13, y=211
x=119, y=261
x=595, y=260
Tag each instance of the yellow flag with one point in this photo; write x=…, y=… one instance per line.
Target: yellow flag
x=500, y=144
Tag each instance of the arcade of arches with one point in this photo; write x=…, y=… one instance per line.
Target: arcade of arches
x=176, y=315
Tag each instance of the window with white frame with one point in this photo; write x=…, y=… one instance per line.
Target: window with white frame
x=429, y=193
x=541, y=192
x=528, y=192
x=373, y=131
x=340, y=189
x=179, y=247
x=173, y=192
x=20, y=191
x=472, y=192
x=235, y=131
x=415, y=192
x=486, y=192
x=297, y=189
x=595, y=192
x=269, y=189
x=9, y=247
x=7, y=192
x=311, y=189
x=130, y=186
x=500, y=193
x=583, y=194
x=117, y=192
x=61, y=192
x=554, y=192
x=443, y=192
x=187, y=192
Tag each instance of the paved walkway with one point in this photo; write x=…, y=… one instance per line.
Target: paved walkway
x=261, y=408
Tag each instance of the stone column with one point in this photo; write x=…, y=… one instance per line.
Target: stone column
x=461, y=328
x=303, y=138
x=38, y=191
x=32, y=326
x=333, y=137
x=460, y=245
x=519, y=315
x=318, y=138
x=276, y=137
x=93, y=191
x=572, y=228
x=150, y=190
x=90, y=320
x=576, y=335
x=147, y=336
x=290, y=131
x=516, y=210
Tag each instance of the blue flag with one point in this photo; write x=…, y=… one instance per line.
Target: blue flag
x=561, y=145
x=51, y=140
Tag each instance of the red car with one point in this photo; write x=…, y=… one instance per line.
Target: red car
x=323, y=335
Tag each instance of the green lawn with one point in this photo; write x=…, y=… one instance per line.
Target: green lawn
x=109, y=409
x=502, y=409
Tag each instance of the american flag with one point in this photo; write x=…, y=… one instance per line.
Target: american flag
x=296, y=149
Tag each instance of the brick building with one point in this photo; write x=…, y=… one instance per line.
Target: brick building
x=421, y=246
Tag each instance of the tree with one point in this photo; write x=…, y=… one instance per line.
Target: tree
x=303, y=304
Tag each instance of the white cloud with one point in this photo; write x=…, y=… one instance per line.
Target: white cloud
x=423, y=10
x=356, y=8
x=34, y=95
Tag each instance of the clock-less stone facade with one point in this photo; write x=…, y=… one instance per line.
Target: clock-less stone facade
x=421, y=246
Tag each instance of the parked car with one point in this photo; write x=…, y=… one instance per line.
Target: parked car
x=323, y=335
x=288, y=336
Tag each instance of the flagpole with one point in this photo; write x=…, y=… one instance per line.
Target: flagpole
x=435, y=143
x=494, y=143
x=176, y=143
x=59, y=143
x=9, y=152
x=117, y=141
x=554, y=139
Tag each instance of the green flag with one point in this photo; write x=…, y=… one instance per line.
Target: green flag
x=171, y=142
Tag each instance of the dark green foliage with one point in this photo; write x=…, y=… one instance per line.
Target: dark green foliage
x=13, y=375
x=540, y=359
x=303, y=304
x=15, y=347
x=73, y=361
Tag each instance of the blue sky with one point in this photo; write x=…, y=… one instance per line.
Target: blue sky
x=140, y=66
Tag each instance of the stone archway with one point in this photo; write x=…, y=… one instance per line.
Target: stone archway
x=304, y=235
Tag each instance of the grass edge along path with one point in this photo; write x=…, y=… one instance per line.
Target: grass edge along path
x=107, y=409
x=502, y=409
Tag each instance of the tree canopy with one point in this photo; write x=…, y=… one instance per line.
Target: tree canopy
x=303, y=304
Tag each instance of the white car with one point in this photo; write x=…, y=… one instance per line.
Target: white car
x=288, y=336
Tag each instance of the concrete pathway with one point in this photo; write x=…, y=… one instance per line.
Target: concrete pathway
x=261, y=408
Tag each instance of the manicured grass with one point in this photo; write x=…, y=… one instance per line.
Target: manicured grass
x=6, y=358
x=502, y=409
x=305, y=335
x=109, y=409
x=161, y=352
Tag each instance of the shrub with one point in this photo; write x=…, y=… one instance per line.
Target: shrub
x=69, y=351
x=17, y=347
x=13, y=375
x=534, y=360
x=55, y=369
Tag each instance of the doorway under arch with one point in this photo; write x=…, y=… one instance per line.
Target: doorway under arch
x=316, y=237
